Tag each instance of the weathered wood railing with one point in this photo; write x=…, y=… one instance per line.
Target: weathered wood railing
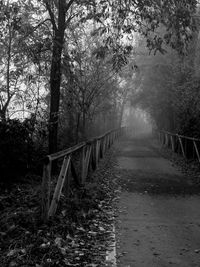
x=76, y=162
x=189, y=147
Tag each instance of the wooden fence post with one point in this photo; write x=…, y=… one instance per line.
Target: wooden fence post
x=193, y=150
x=162, y=142
x=46, y=187
x=177, y=149
x=91, y=151
x=166, y=139
x=66, y=186
x=109, y=140
x=100, y=149
x=172, y=143
x=59, y=186
x=74, y=174
x=85, y=162
x=97, y=152
x=93, y=156
x=185, y=145
x=196, y=149
x=106, y=142
x=182, y=149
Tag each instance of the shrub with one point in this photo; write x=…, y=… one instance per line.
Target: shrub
x=16, y=149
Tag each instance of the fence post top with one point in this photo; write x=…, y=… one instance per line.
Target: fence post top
x=89, y=142
x=47, y=160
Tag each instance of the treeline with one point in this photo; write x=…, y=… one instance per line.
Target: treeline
x=62, y=74
x=167, y=86
x=54, y=93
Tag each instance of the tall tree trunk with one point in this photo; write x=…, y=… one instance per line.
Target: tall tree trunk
x=55, y=78
x=4, y=107
x=83, y=125
x=77, y=127
x=2, y=115
x=121, y=113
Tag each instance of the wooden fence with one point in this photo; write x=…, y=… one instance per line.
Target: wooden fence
x=74, y=163
x=188, y=147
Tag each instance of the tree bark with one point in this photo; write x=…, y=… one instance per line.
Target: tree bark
x=121, y=113
x=55, y=77
x=83, y=124
x=77, y=128
x=4, y=107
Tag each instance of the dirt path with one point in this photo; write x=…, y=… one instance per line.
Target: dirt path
x=159, y=210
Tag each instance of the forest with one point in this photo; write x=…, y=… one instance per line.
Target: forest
x=71, y=70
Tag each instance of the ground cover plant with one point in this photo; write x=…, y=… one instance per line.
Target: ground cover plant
x=79, y=235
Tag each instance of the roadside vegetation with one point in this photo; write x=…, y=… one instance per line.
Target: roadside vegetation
x=72, y=70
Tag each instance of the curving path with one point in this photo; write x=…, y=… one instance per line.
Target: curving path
x=159, y=210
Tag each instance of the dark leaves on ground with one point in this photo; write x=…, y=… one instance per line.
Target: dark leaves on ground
x=79, y=235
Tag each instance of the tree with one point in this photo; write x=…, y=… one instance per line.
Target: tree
x=11, y=69
x=24, y=43
x=55, y=76
x=114, y=20
x=168, y=88
x=87, y=82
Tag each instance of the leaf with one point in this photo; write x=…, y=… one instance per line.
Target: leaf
x=58, y=241
x=12, y=252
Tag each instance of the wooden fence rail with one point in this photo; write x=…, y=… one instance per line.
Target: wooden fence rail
x=89, y=154
x=188, y=147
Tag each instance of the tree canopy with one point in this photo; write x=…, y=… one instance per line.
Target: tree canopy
x=64, y=59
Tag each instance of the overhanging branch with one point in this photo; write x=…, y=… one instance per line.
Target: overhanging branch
x=55, y=28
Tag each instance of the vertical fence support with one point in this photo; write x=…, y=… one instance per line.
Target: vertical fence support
x=74, y=174
x=97, y=152
x=104, y=145
x=90, y=151
x=166, y=139
x=193, y=150
x=196, y=149
x=185, y=146
x=162, y=138
x=85, y=162
x=66, y=186
x=101, y=148
x=46, y=187
x=176, y=143
x=181, y=143
x=93, y=155
x=59, y=186
x=172, y=143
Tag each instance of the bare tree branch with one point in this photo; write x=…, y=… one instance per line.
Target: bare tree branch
x=52, y=17
x=69, y=5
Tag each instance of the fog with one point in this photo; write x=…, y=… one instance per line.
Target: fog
x=138, y=121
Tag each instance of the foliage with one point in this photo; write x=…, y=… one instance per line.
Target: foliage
x=168, y=89
x=78, y=236
x=79, y=80
x=88, y=86
x=20, y=59
x=17, y=149
x=118, y=20
x=188, y=108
